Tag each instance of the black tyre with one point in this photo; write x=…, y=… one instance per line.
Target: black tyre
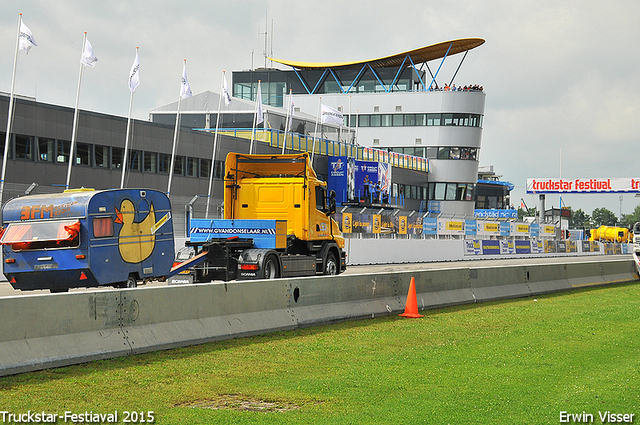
x=270, y=268
x=331, y=265
x=131, y=282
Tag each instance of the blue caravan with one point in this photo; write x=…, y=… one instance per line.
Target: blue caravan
x=87, y=238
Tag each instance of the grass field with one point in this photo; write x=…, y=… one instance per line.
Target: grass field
x=520, y=361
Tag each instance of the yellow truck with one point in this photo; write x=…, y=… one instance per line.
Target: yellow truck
x=277, y=223
x=611, y=234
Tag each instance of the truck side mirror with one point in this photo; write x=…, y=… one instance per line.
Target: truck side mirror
x=332, y=202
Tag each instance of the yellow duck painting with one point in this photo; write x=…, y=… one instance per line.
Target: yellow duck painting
x=135, y=240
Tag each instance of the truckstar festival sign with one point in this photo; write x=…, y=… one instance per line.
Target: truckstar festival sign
x=595, y=185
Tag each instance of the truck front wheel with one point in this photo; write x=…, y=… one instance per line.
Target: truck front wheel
x=331, y=265
x=270, y=268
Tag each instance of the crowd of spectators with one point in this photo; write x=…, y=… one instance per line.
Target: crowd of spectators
x=453, y=87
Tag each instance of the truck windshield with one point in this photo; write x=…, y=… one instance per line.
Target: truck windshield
x=42, y=235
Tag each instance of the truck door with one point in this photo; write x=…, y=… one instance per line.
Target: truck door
x=319, y=221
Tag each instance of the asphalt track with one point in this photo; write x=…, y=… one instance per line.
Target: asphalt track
x=6, y=290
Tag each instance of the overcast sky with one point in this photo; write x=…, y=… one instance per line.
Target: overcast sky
x=561, y=77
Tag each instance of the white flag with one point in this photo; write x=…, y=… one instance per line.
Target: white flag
x=134, y=74
x=259, y=113
x=330, y=115
x=88, y=58
x=185, y=90
x=290, y=117
x=26, y=38
x=225, y=92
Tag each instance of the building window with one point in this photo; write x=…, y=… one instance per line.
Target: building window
x=101, y=155
x=23, y=147
x=45, y=149
x=205, y=168
x=117, y=157
x=178, y=166
x=135, y=160
x=150, y=162
x=62, y=151
x=83, y=154
x=164, y=162
x=440, y=189
x=433, y=119
x=451, y=191
x=218, y=171
x=469, y=193
x=192, y=167
x=443, y=153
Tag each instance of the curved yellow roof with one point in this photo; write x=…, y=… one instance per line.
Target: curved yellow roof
x=423, y=54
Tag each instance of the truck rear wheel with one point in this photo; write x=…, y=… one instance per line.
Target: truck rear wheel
x=270, y=269
x=331, y=265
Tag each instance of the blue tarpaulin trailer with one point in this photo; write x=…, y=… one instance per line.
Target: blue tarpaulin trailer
x=87, y=238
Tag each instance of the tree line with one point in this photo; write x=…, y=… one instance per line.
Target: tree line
x=599, y=217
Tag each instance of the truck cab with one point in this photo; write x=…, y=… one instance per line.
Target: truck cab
x=277, y=222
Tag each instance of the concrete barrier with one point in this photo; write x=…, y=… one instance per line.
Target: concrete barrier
x=43, y=331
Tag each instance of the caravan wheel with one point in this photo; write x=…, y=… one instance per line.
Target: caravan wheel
x=131, y=282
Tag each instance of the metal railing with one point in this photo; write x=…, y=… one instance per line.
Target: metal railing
x=324, y=146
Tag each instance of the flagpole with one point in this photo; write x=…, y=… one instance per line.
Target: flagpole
x=213, y=154
x=255, y=117
x=173, y=150
x=357, y=119
x=286, y=123
x=75, y=119
x=185, y=92
x=126, y=142
x=8, y=135
x=349, y=126
x=340, y=129
x=313, y=149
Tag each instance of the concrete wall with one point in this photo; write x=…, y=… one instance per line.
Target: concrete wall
x=43, y=331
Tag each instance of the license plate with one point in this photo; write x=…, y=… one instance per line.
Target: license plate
x=47, y=266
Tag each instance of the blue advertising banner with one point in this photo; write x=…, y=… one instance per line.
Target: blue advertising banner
x=535, y=229
x=359, y=181
x=495, y=213
x=523, y=247
x=337, y=178
x=430, y=226
x=491, y=247
x=470, y=227
x=505, y=228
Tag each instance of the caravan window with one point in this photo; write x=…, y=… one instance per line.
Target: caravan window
x=103, y=227
x=42, y=235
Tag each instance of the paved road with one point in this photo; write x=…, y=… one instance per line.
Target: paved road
x=6, y=290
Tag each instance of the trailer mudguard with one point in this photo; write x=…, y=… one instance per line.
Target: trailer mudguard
x=259, y=264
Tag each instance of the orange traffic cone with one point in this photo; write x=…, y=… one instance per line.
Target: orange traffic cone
x=411, y=308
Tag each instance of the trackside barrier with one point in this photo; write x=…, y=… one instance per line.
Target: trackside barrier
x=52, y=330
x=401, y=250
